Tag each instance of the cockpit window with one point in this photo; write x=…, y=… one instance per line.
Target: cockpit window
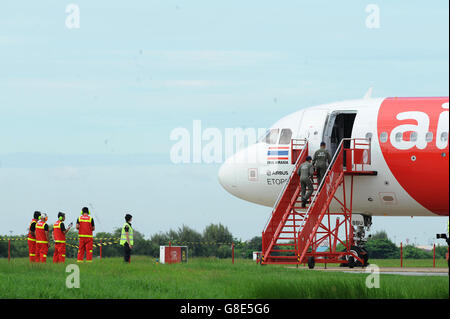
x=285, y=137
x=272, y=136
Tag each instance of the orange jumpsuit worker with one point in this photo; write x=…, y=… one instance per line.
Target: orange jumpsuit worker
x=42, y=239
x=59, y=237
x=32, y=237
x=85, y=226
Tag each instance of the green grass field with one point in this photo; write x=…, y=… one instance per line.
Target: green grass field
x=208, y=278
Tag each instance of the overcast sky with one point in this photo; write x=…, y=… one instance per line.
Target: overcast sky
x=86, y=113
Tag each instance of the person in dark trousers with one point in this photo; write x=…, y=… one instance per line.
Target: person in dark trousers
x=126, y=238
x=321, y=161
x=306, y=171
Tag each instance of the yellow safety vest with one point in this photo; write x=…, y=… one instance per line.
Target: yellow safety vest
x=123, y=237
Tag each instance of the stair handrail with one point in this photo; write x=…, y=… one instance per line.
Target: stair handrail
x=355, y=142
x=294, y=171
x=319, y=188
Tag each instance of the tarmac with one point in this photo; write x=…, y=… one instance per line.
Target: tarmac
x=405, y=271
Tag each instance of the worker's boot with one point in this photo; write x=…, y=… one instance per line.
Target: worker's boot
x=303, y=203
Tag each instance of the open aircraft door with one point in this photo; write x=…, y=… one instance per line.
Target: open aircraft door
x=311, y=127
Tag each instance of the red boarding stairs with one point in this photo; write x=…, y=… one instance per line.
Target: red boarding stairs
x=293, y=234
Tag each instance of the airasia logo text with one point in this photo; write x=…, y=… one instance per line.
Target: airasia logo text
x=420, y=129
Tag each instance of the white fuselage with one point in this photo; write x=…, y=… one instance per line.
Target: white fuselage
x=249, y=174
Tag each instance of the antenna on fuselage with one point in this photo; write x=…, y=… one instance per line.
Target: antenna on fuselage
x=368, y=94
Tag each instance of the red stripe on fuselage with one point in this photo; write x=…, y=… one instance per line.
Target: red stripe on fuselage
x=421, y=167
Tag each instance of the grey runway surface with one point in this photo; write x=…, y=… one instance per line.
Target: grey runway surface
x=402, y=273
x=406, y=271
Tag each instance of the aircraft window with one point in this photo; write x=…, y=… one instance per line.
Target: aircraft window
x=263, y=137
x=272, y=136
x=398, y=137
x=285, y=137
x=444, y=136
x=429, y=137
x=383, y=137
x=413, y=137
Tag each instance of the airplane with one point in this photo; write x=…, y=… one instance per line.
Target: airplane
x=408, y=138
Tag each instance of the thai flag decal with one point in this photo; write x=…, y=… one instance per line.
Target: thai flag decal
x=276, y=153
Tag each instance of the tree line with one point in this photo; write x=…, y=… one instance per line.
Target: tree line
x=380, y=246
x=214, y=241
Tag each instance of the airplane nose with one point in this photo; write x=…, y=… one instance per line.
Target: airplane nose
x=227, y=176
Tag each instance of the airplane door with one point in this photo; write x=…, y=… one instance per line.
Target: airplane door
x=339, y=126
x=311, y=127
